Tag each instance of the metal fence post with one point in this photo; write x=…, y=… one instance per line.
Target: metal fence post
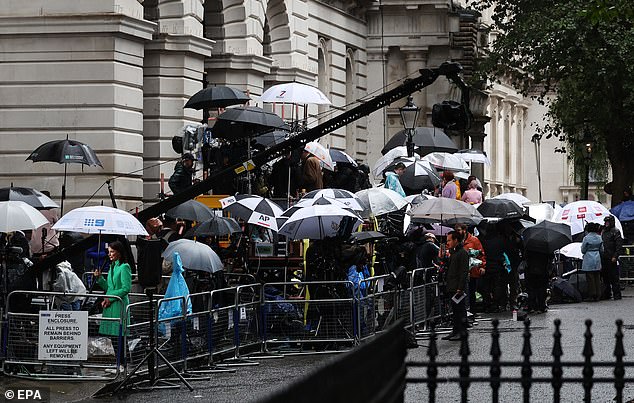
x=527, y=370
x=619, y=368
x=495, y=352
x=557, y=369
x=588, y=371
x=432, y=367
x=464, y=363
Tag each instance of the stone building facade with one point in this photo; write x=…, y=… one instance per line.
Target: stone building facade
x=115, y=74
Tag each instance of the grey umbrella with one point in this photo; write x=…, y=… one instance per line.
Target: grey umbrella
x=191, y=210
x=241, y=122
x=217, y=97
x=216, y=226
x=32, y=197
x=194, y=255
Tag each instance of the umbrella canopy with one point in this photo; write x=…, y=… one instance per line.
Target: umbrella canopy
x=216, y=226
x=572, y=250
x=217, y=97
x=343, y=196
x=365, y=236
x=308, y=202
x=516, y=197
x=32, y=197
x=546, y=237
x=418, y=175
x=194, y=255
x=378, y=201
x=445, y=211
x=540, y=211
x=477, y=156
x=624, y=211
x=414, y=200
x=318, y=222
x=253, y=209
x=447, y=162
x=100, y=220
x=501, y=209
x=321, y=153
x=578, y=214
x=16, y=215
x=271, y=138
x=295, y=93
x=65, y=152
x=242, y=122
x=340, y=156
x=191, y=210
x=386, y=160
x=426, y=140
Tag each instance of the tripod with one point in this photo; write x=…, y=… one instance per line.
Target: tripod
x=154, y=381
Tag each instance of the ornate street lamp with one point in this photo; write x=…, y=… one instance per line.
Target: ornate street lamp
x=587, y=144
x=409, y=116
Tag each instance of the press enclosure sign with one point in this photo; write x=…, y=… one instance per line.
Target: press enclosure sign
x=63, y=335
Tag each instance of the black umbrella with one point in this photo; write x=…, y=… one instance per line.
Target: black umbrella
x=241, y=122
x=271, y=138
x=191, y=210
x=426, y=140
x=65, y=152
x=417, y=177
x=366, y=236
x=32, y=197
x=546, y=237
x=216, y=226
x=217, y=97
x=500, y=208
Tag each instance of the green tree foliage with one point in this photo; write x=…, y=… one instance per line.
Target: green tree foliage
x=580, y=53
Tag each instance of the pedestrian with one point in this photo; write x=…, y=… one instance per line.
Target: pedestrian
x=494, y=283
x=612, y=243
x=456, y=282
x=183, y=174
x=312, y=177
x=392, y=181
x=118, y=284
x=472, y=195
x=591, y=247
x=474, y=249
x=450, y=188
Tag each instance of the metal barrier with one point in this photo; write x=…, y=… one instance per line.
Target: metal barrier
x=246, y=317
x=171, y=331
x=138, y=331
x=425, y=296
x=373, y=309
x=626, y=267
x=327, y=318
x=221, y=343
x=22, y=343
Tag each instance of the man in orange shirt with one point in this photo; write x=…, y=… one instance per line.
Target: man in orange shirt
x=472, y=244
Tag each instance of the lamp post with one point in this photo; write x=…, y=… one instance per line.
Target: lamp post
x=409, y=115
x=587, y=143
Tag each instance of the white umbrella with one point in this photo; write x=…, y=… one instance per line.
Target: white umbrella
x=447, y=162
x=578, y=214
x=445, y=211
x=477, y=156
x=572, y=250
x=382, y=163
x=16, y=215
x=100, y=220
x=308, y=202
x=321, y=153
x=540, y=211
x=343, y=196
x=516, y=197
x=317, y=222
x=295, y=93
x=194, y=255
x=378, y=201
x=253, y=209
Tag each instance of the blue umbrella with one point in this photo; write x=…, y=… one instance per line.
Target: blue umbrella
x=624, y=211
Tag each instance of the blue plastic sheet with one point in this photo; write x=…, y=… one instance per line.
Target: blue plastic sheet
x=176, y=288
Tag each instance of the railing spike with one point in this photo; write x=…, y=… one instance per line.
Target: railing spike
x=619, y=367
x=495, y=370
x=588, y=371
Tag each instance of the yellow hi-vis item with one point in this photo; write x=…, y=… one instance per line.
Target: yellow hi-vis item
x=306, y=243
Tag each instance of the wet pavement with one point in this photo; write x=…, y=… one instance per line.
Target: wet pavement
x=250, y=383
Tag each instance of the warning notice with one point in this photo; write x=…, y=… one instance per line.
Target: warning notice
x=63, y=335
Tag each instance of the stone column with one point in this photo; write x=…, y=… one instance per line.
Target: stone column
x=477, y=135
x=173, y=72
x=73, y=68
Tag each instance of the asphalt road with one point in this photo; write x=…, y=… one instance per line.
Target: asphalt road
x=248, y=384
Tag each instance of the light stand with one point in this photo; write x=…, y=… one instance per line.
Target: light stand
x=409, y=115
x=154, y=381
x=587, y=143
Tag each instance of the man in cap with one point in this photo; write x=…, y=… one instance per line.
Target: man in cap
x=183, y=174
x=612, y=242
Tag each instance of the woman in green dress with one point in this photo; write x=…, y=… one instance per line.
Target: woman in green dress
x=117, y=283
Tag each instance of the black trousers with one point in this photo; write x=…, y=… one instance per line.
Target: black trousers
x=536, y=287
x=459, y=316
x=610, y=277
x=494, y=285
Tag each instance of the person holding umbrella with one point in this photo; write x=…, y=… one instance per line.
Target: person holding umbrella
x=457, y=272
x=392, y=179
x=312, y=177
x=118, y=283
x=591, y=247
